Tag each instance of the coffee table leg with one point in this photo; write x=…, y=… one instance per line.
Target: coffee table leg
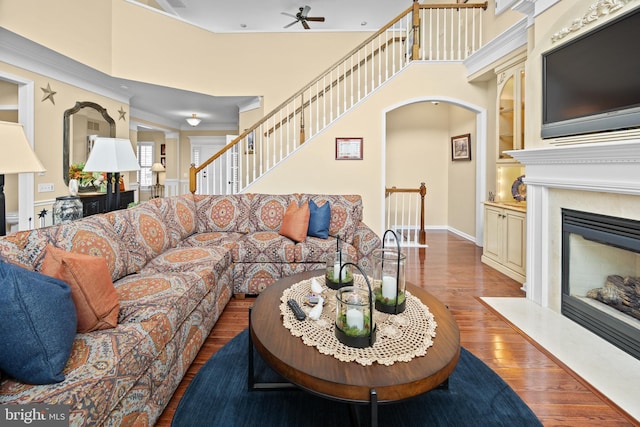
x=251, y=379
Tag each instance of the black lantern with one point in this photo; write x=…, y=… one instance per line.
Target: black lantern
x=336, y=276
x=355, y=326
x=388, y=278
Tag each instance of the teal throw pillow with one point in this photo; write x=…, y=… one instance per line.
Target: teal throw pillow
x=38, y=325
x=319, y=219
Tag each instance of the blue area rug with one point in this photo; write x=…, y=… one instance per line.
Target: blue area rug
x=218, y=396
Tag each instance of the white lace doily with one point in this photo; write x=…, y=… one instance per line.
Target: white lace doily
x=399, y=337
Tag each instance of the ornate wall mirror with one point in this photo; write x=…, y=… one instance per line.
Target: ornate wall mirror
x=81, y=123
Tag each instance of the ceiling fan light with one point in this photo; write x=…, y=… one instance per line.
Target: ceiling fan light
x=193, y=120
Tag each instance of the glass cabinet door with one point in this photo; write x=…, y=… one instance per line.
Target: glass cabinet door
x=510, y=112
x=506, y=118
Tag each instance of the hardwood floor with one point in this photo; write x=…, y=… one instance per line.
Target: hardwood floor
x=450, y=269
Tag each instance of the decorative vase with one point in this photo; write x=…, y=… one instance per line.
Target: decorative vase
x=73, y=187
x=67, y=208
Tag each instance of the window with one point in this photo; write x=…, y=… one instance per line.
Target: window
x=145, y=158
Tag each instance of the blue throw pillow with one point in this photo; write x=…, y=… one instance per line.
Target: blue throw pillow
x=38, y=325
x=319, y=218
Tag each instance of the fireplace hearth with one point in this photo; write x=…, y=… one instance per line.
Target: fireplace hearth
x=600, y=269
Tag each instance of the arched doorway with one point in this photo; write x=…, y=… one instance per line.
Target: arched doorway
x=451, y=186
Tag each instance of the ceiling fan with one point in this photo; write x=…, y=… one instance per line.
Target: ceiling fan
x=302, y=17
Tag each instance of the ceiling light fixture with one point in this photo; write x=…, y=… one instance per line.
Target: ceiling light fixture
x=193, y=120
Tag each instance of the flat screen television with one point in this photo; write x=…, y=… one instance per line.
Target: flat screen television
x=592, y=83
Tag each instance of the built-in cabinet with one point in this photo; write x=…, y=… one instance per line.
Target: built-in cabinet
x=510, y=107
x=505, y=239
x=505, y=215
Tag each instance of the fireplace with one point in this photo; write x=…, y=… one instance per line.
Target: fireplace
x=600, y=276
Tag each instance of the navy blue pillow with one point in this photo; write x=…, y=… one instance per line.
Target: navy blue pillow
x=319, y=218
x=39, y=325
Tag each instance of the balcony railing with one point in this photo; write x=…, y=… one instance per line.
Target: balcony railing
x=444, y=32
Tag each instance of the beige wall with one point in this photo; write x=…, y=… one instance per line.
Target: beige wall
x=48, y=130
x=367, y=177
x=133, y=43
x=462, y=175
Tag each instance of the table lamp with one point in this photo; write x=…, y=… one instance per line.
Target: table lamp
x=157, y=168
x=112, y=155
x=17, y=157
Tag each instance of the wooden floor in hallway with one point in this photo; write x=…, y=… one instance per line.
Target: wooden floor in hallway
x=450, y=269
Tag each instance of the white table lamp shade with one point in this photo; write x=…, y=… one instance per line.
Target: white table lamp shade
x=157, y=167
x=111, y=155
x=17, y=154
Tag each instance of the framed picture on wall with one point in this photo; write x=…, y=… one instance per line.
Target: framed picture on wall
x=461, y=147
x=348, y=148
x=163, y=149
x=163, y=160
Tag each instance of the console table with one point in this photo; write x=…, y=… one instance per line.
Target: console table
x=94, y=203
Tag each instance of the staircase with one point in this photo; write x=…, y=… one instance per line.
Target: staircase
x=440, y=32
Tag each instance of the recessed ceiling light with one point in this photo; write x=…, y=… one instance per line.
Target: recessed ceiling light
x=243, y=25
x=363, y=23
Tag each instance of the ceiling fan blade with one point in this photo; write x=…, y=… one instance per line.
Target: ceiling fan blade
x=305, y=25
x=315, y=19
x=288, y=25
x=289, y=14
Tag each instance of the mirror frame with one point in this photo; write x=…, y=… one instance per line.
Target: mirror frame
x=66, y=126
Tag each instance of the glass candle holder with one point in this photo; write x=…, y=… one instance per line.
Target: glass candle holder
x=389, y=281
x=336, y=277
x=355, y=326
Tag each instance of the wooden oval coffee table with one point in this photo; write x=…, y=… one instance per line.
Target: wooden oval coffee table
x=328, y=377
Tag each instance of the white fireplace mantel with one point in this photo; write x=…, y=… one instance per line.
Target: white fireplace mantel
x=602, y=167
x=608, y=167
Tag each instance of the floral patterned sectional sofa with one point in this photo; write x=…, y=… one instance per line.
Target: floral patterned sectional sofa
x=175, y=263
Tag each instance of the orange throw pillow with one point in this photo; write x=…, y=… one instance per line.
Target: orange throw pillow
x=92, y=290
x=295, y=222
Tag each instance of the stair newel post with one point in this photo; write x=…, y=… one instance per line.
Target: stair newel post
x=422, y=237
x=415, y=49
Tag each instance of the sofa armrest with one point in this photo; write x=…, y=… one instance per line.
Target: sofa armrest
x=366, y=241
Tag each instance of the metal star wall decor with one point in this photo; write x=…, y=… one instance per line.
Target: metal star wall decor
x=122, y=113
x=48, y=94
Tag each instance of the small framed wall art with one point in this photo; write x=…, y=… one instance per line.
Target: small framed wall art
x=348, y=148
x=461, y=147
